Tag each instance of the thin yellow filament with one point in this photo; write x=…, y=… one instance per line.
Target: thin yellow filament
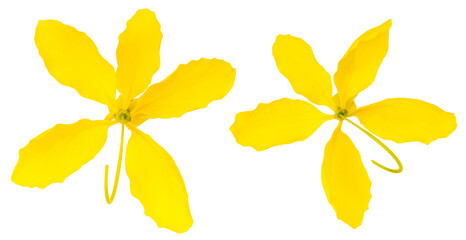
x=117, y=175
x=400, y=166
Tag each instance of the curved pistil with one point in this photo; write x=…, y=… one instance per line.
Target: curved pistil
x=400, y=166
x=117, y=175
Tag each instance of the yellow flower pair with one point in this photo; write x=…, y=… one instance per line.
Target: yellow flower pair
x=74, y=61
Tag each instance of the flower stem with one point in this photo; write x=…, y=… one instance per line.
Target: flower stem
x=400, y=166
x=117, y=175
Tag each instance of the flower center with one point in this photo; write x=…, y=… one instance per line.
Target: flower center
x=123, y=116
x=341, y=114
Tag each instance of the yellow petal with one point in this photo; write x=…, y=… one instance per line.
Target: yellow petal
x=279, y=122
x=296, y=61
x=406, y=120
x=138, y=54
x=358, y=68
x=191, y=86
x=345, y=179
x=58, y=152
x=74, y=61
x=157, y=183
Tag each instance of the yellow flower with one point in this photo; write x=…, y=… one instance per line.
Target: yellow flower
x=284, y=121
x=73, y=60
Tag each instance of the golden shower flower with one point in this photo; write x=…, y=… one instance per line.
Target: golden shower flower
x=73, y=60
x=284, y=121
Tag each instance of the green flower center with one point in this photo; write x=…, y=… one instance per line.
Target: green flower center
x=123, y=116
x=341, y=114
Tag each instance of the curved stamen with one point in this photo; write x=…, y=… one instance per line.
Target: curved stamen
x=400, y=166
x=117, y=175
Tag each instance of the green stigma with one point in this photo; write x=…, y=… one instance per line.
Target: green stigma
x=123, y=116
x=341, y=114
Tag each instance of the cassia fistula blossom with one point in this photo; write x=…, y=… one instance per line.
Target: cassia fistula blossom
x=73, y=60
x=344, y=178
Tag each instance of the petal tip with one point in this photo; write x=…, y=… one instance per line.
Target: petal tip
x=235, y=130
x=280, y=36
x=144, y=11
x=17, y=180
x=357, y=222
x=183, y=229
x=388, y=22
x=284, y=37
x=177, y=229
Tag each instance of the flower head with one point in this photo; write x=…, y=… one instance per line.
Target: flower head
x=344, y=178
x=73, y=60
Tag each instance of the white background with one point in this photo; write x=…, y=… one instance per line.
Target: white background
x=236, y=192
